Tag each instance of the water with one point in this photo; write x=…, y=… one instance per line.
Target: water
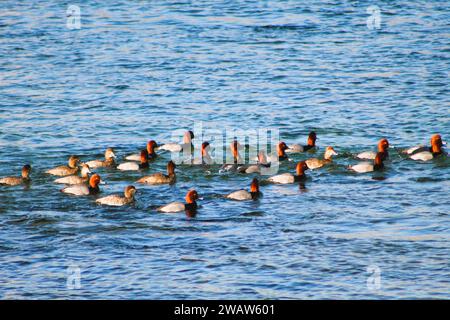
x=137, y=70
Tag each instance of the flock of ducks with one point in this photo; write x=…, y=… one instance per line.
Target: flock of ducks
x=81, y=181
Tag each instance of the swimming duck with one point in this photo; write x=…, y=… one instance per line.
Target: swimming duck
x=244, y=194
x=85, y=189
x=205, y=156
x=383, y=146
x=364, y=167
x=72, y=168
x=151, y=145
x=281, y=150
x=131, y=166
x=286, y=178
x=255, y=168
x=176, y=147
x=190, y=204
x=311, y=143
x=74, y=179
x=108, y=162
x=117, y=200
x=315, y=163
x=14, y=181
x=427, y=153
x=160, y=178
x=234, y=146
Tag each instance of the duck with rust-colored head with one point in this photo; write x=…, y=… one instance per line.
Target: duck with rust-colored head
x=383, y=146
x=287, y=178
x=364, y=167
x=190, y=205
x=85, y=189
x=151, y=146
x=133, y=166
x=178, y=147
x=242, y=195
x=311, y=144
x=427, y=153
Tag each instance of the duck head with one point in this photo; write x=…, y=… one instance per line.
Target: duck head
x=301, y=168
x=312, y=137
x=329, y=152
x=129, y=192
x=151, y=146
x=171, y=168
x=383, y=145
x=26, y=170
x=436, y=143
x=109, y=154
x=73, y=161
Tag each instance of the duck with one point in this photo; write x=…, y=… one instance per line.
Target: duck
x=177, y=147
x=315, y=163
x=85, y=189
x=160, y=178
x=151, y=146
x=383, y=146
x=190, y=205
x=108, y=162
x=255, y=168
x=74, y=179
x=133, y=166
x=242, y=195
x=281, y=150
x=286, y=178
x=364, y=167
x=234, y=146
x=117, y=200
x=14, y=181
x=427, y=153
x=72, y=168
x=311, y=144
x=206, y=158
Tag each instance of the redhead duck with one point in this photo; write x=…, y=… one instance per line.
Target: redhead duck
x=234, y=146
x=286, y=178
x=281, y=150
x=132, y=166
x=190, y=204
x=311, y=143
x=160, y=178
x=206, y=158
x=151, y=145
x=426, y=154
x=364, y=167
x=14, y=181
x=117, y=200
x=315, y=163
x=72, y=168
x=74, y=179
x=383, y=146
x=244, y=194
x=176, y=147
x=108, y=162
x=85, y=189
x=256, y=168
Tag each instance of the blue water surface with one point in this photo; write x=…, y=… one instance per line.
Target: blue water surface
x=137, y=70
